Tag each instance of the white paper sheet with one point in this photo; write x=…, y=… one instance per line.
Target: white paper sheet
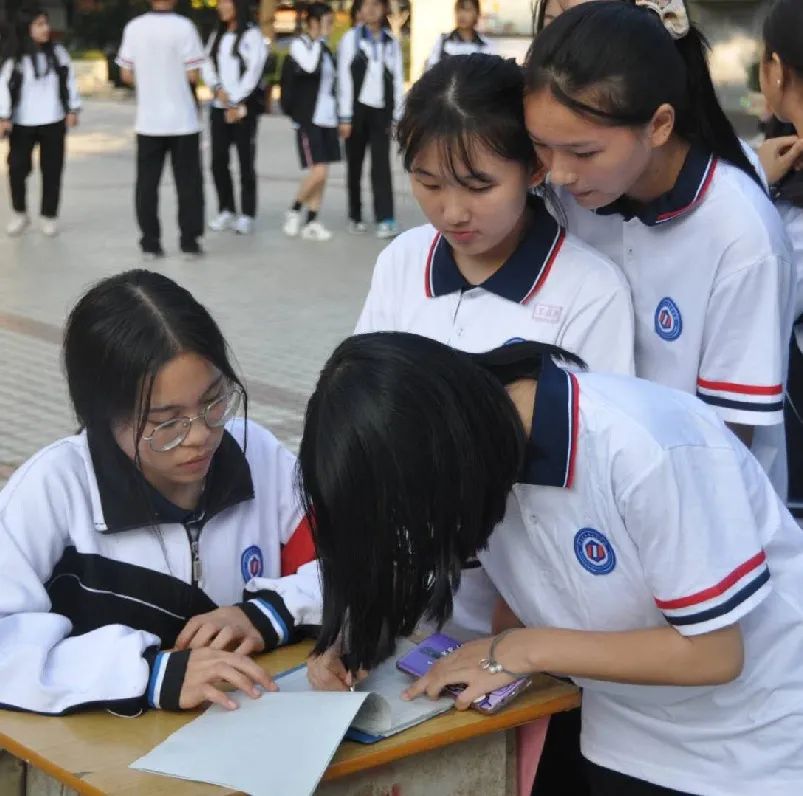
x=278, y=745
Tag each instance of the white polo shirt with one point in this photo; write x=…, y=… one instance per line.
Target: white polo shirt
x=553, y=289
x=161, y=48
x=710, y=269
x=453, y=43
x=639, y=509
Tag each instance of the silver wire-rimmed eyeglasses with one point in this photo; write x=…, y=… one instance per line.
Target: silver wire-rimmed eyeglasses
x=170, y=434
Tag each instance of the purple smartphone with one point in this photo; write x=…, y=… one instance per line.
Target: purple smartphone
x=418, y=661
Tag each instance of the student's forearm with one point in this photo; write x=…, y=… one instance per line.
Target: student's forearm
x=657, y=656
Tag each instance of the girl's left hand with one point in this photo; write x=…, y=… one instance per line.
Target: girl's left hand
x=72, y=120
x=779, y=155
x=223, y=629
x=463, y=667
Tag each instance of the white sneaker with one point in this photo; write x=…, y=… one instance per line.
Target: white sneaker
x=316, y=231
x=50, y=227
x=222, y=221
x=387, y=229
x=357, y=228
x=18, y=224
x=292, y=223
x=244, y=225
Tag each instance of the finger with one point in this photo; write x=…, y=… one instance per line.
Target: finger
x=469, y=696
x=222, y=640
x=187, y=633
x=252, y=670
x=248, y=646
x=233, y=676
x=204, y=636
x=418, y=688
x=218, y=697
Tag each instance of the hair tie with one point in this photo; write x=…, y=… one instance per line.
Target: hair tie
x=673, y=15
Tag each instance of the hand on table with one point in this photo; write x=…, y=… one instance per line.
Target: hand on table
x=327, y=673
x=209, y=669
x=223, y=629
x=462, y=667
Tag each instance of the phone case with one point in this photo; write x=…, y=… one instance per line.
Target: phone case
x=418, y=662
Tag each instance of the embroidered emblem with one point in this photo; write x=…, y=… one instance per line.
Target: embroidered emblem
x=594, y=551
x=547, y=312
x=668, y=322
x=252, y=565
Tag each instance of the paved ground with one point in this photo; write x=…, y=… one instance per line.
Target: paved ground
x=284, y=304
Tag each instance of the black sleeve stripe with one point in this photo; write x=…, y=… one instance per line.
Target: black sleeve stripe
x=746, y=406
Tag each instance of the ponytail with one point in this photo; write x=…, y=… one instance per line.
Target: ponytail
x=617, y=63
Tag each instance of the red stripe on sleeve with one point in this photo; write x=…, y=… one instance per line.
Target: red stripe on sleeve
x=743, y=389
x=721, y=587
x=299, y=550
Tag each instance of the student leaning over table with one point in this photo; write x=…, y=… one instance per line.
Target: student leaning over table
x=631, y=531
x=118, y=544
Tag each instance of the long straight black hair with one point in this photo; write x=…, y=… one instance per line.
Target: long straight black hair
x=242, y=10
x=409, y=452
x=118, y=336
x=616, y=63
x=20, y=43
x=464, y=102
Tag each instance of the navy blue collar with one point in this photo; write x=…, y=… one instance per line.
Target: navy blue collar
x=519, y=278
x=385, y=34
x=689, y=190
x=552, y=447
x=455, y=36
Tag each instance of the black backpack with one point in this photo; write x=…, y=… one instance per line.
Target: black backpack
x=287, y=85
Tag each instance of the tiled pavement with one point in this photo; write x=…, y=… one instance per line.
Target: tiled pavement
x=283, y=304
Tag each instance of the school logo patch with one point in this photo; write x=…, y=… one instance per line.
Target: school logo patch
x=594, y=551
x=547, y=312
x=252, y=565
x=668, y=321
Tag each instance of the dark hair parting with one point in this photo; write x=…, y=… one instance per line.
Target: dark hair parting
x=616, y=63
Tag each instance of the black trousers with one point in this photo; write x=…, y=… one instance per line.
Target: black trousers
x=793, y=417
x=241, y=135
x=185, y=159
x=50, y=139
x=370, y=127
x=563, y=771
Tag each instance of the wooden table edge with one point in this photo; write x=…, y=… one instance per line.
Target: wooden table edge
x=43, y=764
x=490, y=724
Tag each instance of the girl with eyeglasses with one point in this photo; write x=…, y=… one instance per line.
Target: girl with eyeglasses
x=146, y=557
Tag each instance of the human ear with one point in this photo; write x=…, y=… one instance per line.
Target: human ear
x=661, y=125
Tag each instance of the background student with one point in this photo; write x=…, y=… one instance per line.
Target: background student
x=465, y=38
x=653, y=175
x=492, y=265
x=146, y=557
x=233, y=68
x=781, y=77
x=370, y=96
x=308, y=97
x=161, y=53
x=39, y=101
x=685, y=632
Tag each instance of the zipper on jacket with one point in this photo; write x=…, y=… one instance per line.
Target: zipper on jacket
x=193, y=529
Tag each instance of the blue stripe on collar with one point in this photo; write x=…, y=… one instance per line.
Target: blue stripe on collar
x=519, y=278
x=688, y=191
x=386, y=35
x=552, y=447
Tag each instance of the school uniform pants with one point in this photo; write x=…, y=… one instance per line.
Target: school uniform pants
x=50, y=140
x=185, y=159
x=242, y=136
x=793, y=419
x=370, y=127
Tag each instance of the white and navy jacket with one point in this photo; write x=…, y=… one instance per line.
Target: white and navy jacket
x=237, y=71
x=32, y=101
x=449, y=44
x=100, y=573
x=314, y=100
x=638, y=509
x=369, y=73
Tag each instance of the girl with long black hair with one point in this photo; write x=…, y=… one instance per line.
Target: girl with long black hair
x=235, y=61
x=665, y=575
x=39, y=101
x=622, y=110
x=146, y=557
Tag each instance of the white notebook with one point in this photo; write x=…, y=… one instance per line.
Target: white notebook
x=384, y=712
